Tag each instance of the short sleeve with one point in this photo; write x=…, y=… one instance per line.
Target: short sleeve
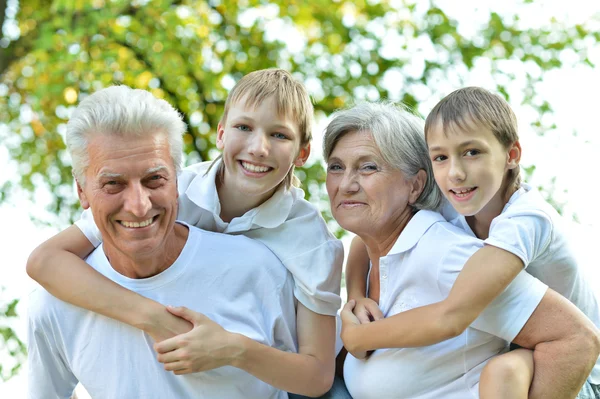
x=508, y=313
x=525, y=234
x=317, y=277
x=506, y=316
x=88, y=227
x=49, y=377
x=311, y=254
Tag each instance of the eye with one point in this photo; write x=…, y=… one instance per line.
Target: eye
x=334, y=167
x=111, y=183
x=243, y=128
x=280, y=136
x=154, y=181
x=369, y=167
x=472, y=153
x=439, y=158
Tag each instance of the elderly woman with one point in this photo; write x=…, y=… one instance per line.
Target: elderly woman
x=381, y=188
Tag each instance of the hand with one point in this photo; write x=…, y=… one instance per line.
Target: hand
x=165, y=325
x=367, y=310
x=350, y=323
x=207, y=346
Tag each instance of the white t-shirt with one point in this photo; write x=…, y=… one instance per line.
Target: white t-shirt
x=235, y=281
x=419, y=270
x=286, y=223
x=530, y=228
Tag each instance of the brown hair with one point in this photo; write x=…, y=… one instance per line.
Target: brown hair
x=291, y=98
x=474, y=105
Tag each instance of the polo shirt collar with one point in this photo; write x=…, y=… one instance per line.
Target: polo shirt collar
x=202, y=191
x=414, y=230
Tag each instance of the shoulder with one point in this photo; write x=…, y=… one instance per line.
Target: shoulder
x=446, y=248
x=42, y=307
x=189, y=173
x=528, y=202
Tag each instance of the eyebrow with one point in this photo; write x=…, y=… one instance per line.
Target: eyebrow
x=359, y=159
x=463, y=144
x=109, y=175
x=245, y=118
x=156, y=169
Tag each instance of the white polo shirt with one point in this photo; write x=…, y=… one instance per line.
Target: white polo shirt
x=286, y=223
x=419, y=270
x=530, y=228
x=249, y=294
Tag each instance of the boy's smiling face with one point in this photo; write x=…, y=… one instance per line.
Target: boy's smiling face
x=259, y=148
x=470, y=166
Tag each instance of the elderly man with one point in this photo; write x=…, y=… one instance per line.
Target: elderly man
x=126, y=149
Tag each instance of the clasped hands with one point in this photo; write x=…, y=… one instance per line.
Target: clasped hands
x=354, y=313
x=204, y=347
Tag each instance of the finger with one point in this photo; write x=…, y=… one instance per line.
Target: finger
x=170, y=357
x=184, y=371
x=363, y=317
x=168, y=345
x=349, y=306
x=375, y=312
x=185, y=313
x=175, y=366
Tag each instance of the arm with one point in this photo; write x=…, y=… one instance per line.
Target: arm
x=565, y=347
x=357, y=269
x=485, y=275
x=208, y=346
x=58, y=266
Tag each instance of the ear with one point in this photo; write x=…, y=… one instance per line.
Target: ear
x=514, y=155
x=220, y=136
x=85, y=204
x=302, y=156
x=418, y=183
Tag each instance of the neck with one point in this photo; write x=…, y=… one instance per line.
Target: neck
x=233, y=203
x=152, y=262
x=381, y=241
x=480, y=223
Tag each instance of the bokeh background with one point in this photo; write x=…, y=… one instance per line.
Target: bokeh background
x=542, y=56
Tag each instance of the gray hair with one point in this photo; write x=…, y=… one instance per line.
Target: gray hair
x=122, y=111
x=398, y=134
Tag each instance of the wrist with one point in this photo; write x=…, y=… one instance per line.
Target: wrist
x=148, y=317
x=239, y=346
x=356, y=294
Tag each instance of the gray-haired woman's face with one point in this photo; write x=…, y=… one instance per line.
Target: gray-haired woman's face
x=367, y=194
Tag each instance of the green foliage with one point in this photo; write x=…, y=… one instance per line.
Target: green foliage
x=191, y=52
x=10, y=344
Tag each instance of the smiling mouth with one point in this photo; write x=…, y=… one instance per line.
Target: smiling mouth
x=138, y=225
x=250, y=167
x=463, y=192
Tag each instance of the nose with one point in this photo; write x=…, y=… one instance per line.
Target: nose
x=137, y=200
x=259, y=145
x=456, y=172
x=349, y=183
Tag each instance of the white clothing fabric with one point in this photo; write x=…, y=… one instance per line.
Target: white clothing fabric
x=235, y=281
x=286, y=223
x=530, y=228
x=419, y=270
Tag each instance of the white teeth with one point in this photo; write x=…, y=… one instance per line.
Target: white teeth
x=255, y=168
x=462, y=192
x=136, y=224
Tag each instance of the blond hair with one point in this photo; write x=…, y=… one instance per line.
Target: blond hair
x=290, y=96
x=474, y=105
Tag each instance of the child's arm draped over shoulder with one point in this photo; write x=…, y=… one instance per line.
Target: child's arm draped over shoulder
x=58, y=266
x=357, y=269
x=208, y=346
x=485, y=275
